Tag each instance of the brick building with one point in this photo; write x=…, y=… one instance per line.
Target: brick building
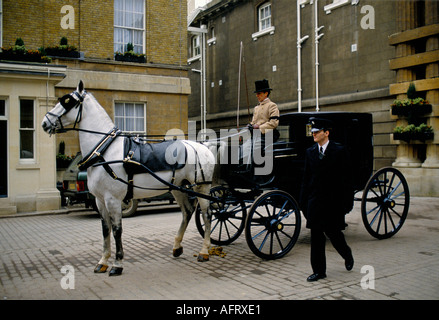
x=353, y=55
x=156, y=86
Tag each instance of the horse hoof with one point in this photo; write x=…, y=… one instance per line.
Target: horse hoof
x=101, y=268
x=203, y=257
x=177, y=252
x=115, y=271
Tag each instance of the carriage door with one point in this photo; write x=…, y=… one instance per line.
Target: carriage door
x=3, y=151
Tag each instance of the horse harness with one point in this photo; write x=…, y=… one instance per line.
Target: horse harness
x=95, y=157
x=134, y=161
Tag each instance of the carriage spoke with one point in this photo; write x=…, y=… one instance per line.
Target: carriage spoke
x=376, y=215
x=391, y=183
x=263, y=241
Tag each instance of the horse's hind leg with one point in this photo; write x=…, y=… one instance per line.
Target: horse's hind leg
x=204, y=253
x=102, y=265
x=187, y=210
x=111, y=218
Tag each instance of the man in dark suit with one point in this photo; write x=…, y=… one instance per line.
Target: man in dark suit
x=327, y=195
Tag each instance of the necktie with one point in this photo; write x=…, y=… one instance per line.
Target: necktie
x=321, y=154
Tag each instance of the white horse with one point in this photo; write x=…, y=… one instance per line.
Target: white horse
x=82, y=109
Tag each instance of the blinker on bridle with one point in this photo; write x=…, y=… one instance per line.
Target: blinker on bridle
x=68, y=102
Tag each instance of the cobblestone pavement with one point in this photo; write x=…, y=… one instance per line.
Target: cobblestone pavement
x=34, y=249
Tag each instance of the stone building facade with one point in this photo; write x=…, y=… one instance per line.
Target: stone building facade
x=98, y=29
x=353, y=55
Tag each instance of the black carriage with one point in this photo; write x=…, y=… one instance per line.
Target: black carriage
x=266, y=207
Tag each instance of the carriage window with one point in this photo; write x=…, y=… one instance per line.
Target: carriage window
x=27, y=129
x=129, y=25
x=130, y=116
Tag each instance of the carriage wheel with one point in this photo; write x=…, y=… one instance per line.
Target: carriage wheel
x=273, y=225
x=228, y=217
x=385, y=203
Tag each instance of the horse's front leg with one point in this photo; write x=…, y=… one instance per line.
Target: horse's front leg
x=102, y=265
x=204, y=206
x=115, y=208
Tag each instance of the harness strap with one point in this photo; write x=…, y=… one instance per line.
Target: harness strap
x=199, y=163
x=100, y=148
x=106, y=165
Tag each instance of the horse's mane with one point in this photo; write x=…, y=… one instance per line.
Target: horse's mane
x=98, y=105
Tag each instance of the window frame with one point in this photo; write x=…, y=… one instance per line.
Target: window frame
x=195, y=48
x=125, y=28
x=27, y=129
x=261, y=9
x=135, y=116
x=267, y=30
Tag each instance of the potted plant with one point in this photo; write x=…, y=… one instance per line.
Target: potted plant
x=62, y=160
x=129, y=55
x=63, y=50
x=412, y=106
x=410, y=132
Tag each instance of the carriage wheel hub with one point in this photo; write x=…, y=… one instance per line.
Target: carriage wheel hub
x=275, y=225
x=389, y=203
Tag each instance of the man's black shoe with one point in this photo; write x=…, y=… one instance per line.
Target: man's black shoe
x=349, y=263
x=316, y=276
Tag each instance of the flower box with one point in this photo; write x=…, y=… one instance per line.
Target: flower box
x=411, y=110
x=63, y=51
x=130, y=58
x=409, y=136
x=12, y=54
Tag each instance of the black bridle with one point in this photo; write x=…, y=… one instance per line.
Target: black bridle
x=68, y=102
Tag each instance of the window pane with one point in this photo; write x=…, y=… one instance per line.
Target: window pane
x=129, y=5
x=138, y=37
x=139, y=110
x=119, y=123
x=26, y=144
x=138, y=20
x=129, y=124
x=138, y=6
x=118, y=109
x=118, y=18
x=129, y=20
x=26, y=114
x=128, y=37
x=129, y=110
x=2, y=108
x=118, y=5
x=139, y=124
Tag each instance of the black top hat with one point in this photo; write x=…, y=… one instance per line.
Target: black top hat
x=262, y=86
x=318, y=124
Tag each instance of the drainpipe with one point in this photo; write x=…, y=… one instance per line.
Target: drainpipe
x=203, y=68
x=317, y=37
x=202, y=33
x=300, y=40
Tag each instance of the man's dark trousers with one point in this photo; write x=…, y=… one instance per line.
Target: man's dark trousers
x=318, y=241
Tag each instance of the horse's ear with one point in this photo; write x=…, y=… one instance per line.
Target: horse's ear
x=80, y=86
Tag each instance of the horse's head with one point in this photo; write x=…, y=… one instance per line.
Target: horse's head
x=69, y=108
